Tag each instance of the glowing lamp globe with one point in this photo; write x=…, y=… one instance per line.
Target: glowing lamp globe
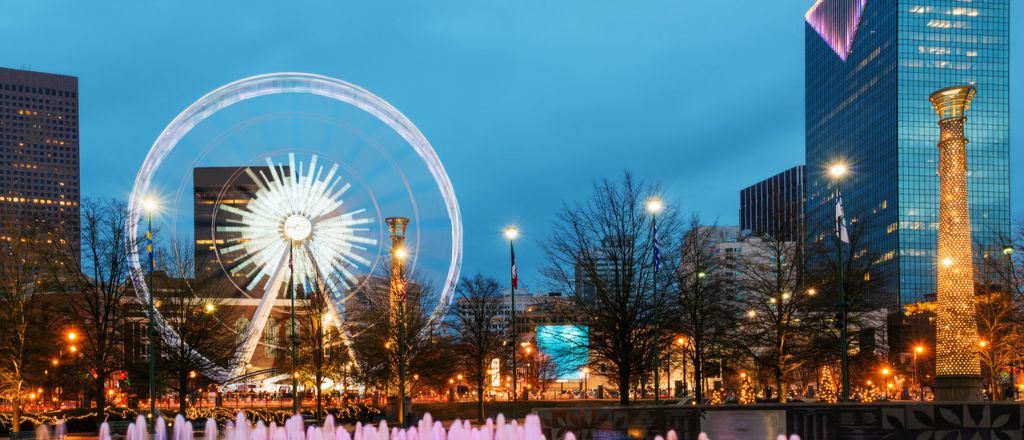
x=655, y=206
x=401, y=253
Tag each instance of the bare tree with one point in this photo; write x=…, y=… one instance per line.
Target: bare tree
x=601, y=251
x=477, y=331
x=865, y=303
x=545, y=371
x=1000, y=312
x=22, y=276
x=707, y=310
x=95, y=286
x=322, y=352
x=771, y=290
x=373, y=332
x=188, y=306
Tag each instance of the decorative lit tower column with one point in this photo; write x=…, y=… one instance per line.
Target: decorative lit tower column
x=396, y=301
x=957, y=368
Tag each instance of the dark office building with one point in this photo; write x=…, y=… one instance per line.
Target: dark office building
x=39, y=151
x=775, y=206
x=869, y=68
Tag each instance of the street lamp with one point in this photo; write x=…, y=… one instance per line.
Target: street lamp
x=150, y=206
x=654, y=206
x=511, y=233
x=838, y=170
x=297, y=228
x=920, y=388
x=681, y=341
x=885, y=376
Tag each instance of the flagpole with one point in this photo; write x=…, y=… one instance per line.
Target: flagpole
x=150, y=206
x=511, y=234
x=657, y=324
x=654, y=206
x=838, y=171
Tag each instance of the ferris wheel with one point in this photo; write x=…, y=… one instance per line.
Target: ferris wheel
x=288, y=176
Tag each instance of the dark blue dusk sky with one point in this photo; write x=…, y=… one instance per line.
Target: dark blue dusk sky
x=525, y=101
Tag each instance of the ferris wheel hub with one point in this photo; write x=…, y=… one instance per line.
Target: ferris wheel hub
x=297, y=227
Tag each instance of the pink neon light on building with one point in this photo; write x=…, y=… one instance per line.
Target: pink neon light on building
x=837, y=21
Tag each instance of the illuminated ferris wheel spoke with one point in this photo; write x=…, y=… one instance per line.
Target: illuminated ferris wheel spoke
x=254, y=330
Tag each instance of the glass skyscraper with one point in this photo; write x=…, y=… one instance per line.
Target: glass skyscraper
x=775, y=206
x=870, y=66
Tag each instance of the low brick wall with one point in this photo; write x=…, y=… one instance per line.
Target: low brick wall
x=884, y=420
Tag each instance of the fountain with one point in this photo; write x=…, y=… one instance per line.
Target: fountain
x=294, y=429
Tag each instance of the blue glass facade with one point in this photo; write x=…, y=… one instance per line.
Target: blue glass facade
x=775, y=206
x=872, y=113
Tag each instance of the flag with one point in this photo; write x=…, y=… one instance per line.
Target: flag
x=515, y=274
x=149, y=248
x=657, y=249
x=840, y=228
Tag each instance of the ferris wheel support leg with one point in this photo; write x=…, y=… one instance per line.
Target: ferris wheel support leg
x=254, y=331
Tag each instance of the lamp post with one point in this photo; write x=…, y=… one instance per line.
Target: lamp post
x=1008, y=252
x=885, y=381
x=682, y=342
x=511, y=233
x=985, y=353
x=920, y=387
x=837, y=171
x=654, y=206
x=150, y=206
x=297, y=228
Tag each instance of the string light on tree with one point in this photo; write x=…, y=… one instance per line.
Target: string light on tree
x=828, y=391
x=747, y=395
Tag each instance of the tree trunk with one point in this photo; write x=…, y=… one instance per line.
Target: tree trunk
x=319, y=397
x=182, y=393
x=16, y=411
x=780, y=382
x=623, y=386
x=698, y=379
x=101, y=393
x=780, y=379
x=480, y=400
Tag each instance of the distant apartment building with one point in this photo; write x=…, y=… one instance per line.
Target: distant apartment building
x=533, y=310
x=732, y=245
x=39, y=151
x=775, y=206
